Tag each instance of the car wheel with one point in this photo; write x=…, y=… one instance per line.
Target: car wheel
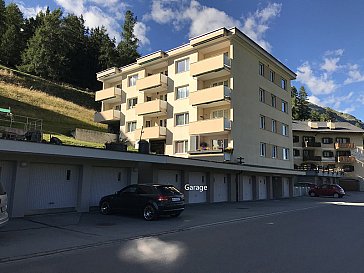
x=336, y=195
x=176, y=214
x=105, y=208
x=312, y=194
x=149, y=212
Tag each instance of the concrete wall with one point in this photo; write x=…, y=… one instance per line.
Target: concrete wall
x=94, y=136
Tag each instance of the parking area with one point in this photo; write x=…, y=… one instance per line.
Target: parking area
x=41, y=235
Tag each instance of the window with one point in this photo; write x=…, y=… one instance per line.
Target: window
x=163, y=123
x=182, y=119
x=224, y=83
x=327, y=140
x=117, y=107
x=219, y=143
x=220, y=114
x=148, y=98
x=163, y=97
x=274, y=101
x=261, y=69
x=343, y=140
x=148, y=123
x=284, y=129
x=284, y=106
x=296, y=139
x=132, y=80
x=263, y=148
x=272, y=75
x=327, y=154
x=181, y=147
x=274, y=126
x=262, y=122
x=296, y=152
x=261, y=95
x=274, y=151
x=183, y=65
x=182, y=92
x=131, y=126
x=283, y=84
x=285, y=154
x=132, y=102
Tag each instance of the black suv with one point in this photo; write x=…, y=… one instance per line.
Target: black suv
x=150, y=200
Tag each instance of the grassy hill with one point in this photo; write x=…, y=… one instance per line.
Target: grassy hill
x=62, y=108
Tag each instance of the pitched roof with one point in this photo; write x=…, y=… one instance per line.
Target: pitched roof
x=343, y=127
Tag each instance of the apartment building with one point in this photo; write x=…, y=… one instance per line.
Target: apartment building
x=219, y=97
x=329, y=146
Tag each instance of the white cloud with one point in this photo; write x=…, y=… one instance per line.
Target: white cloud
x=76, y=7
x=315, y=100
x=337, y=101
x=322, y=84
x=330, y=64
x=361, y=99
x=336, y=52
x=30, y=11
x=202, y=19
x=354, y=75
x=140, y=31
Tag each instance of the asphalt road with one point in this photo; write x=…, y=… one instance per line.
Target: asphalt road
x=318, y=237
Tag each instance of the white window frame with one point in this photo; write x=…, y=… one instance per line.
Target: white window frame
x=262, y=122
x=274, y=151
x=218, y=83
x=261, y=95
x=183, y=90
x=284, y=83
x=284, y=129
x=272, y=75
x=186, y=66
x=273, y=101
x=263, y=149
x=261, y=69
x=130, y=126
x=132, y=102
x=132, y=80
x=221, y=113
x=184, y=146
x=185, y=119
x=274, y=126
x=285, y=153
x=284, y=106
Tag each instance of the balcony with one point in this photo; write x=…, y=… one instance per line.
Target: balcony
x=311, y=158
x=307, y=144
x=152, y=108
x=214, y=96
x=154, y=83
x=215, y=67
x=328, y=159
x=210, y=126
x=344, y=145
x=155, y=132
x=107, y=116
x=107, y=73
x=108, y=93
x=346, y=159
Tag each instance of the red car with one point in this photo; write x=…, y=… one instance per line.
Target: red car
x=327, y=190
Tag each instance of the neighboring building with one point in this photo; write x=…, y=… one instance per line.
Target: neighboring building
x=220, y=92
x=328, y=147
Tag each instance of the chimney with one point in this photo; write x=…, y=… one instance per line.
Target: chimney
x=313, y=125
x=331, y=125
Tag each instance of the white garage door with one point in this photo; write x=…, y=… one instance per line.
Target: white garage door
x=52, y=186
x=197, y=179
x=6, y=176
x=106, y=181
x=262, y=187
x=285, y=187
x=247, y=188
x=170, y=177
x=220, y=188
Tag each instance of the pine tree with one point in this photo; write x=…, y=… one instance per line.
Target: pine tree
x=294, y=101
x=2, y=18
x=315, y=116
x=302, y=103
x=128, y=45
x=12, y=43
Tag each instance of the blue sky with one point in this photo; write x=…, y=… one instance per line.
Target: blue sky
x=321, y=40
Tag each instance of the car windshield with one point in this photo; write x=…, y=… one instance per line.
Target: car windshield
x=2, y=190
x=168, y=190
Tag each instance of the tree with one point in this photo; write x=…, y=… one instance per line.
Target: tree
x=302, y=103
x=2, y=18
x=45, y=55
x=128, y=45
x=328, y=115
x=12, y=42
x=315, y=116
x=294, y=101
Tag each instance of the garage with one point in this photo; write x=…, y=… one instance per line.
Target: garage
x=197, y=179
x=105, y=181
x=170, y=177
x=52, y=186
x=6, y=175
x=220, y=188
x=285, y=186
x=246, y=186
x=262, y=187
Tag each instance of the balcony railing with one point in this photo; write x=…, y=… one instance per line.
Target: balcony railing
x=210, y=126
x=107, y=73
x=307, y=144
x=328, y=159
x=108, y=93
x=213, y=96
x=155, y=132
x=151, y=108
x=344, y=145
x=311, y=158
x=214, y=67
x=154, y=83
x=107, y=116
x=346, y=159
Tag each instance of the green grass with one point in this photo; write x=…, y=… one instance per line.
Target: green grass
x=74, y=142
